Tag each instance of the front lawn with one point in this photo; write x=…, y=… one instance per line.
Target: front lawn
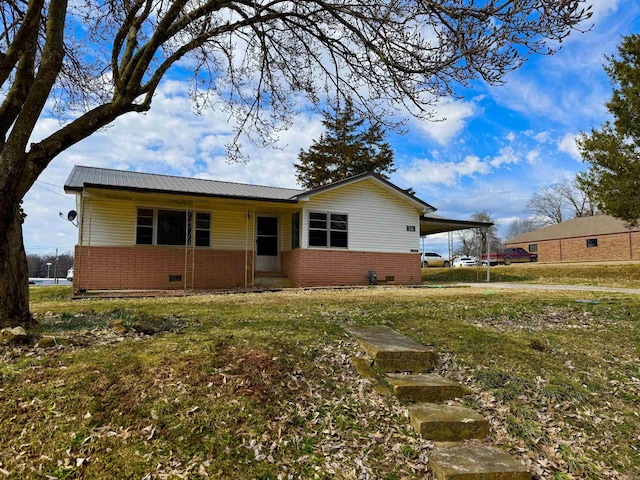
x=615, y=274
x=260, y=385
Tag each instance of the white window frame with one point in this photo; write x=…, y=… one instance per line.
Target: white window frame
x=328, y=229
x=192, y=227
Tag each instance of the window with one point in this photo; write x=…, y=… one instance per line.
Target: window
x=295, y=230
x=592, y=242
x=172, y=227
x=203, y=229
x=533, y=248
x=144, y=227
x=328, y=230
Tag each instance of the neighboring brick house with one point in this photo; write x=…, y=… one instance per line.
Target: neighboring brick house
x=147, y=231
x=583, y=239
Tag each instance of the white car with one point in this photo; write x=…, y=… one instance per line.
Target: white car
x=431, y=259
x=465, y=262
x=70, y=274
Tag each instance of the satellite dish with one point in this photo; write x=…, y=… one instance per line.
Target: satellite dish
x=71, y=216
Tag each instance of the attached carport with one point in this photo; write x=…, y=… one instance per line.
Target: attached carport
x=430, y=224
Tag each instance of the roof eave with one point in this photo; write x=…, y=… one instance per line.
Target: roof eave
x=70, y=189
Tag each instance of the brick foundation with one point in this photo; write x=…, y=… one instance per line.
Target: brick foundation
x=312, y=268
x=149, y=267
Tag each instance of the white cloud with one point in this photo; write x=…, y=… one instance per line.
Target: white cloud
x=451, y=115
x=437, y=172
x=533, y=156
x=507, y=156
x=569, y=146
x=602, y=8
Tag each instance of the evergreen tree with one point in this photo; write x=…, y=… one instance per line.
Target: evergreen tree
x=347, y=148
x=613, y=151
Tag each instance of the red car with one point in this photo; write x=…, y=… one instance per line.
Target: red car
x=509, y=256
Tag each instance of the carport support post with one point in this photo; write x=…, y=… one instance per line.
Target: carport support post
x=486, y=235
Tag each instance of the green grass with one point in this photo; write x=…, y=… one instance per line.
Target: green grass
x=260, y=385
x=615, y=274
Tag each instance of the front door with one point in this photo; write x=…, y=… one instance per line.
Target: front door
x=267, y=244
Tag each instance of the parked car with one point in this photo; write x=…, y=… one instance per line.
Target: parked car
x=430, y=259
x=70, y=274
x=509, y=256
x=465, y=262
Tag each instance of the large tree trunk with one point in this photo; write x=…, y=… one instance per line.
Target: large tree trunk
x=14, y=280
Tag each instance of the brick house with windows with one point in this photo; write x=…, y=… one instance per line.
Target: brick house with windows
x=147, y=231
x=582, y=239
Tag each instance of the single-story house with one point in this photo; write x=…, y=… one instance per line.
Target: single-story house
x=147, y=231
x=582, y=239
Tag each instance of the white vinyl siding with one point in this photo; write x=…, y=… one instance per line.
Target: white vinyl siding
x=112, y=222
x=378, y=219
x=108, y=222
x=232, y=230
x=285, y=232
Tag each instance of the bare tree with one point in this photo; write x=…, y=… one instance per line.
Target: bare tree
x=577, y=197
x=472, y=242
x=561, y=201
x=548, y=205
x=521, y=226
x=96, y=60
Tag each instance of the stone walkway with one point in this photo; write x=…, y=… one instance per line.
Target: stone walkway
x=404, y=362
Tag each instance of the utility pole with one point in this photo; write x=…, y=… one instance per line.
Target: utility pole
x=55, y=269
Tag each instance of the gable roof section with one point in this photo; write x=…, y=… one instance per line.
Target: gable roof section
x=81, y=177
x=376, y=177
x=577, y=227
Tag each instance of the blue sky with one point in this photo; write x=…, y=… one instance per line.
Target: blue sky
x=494, y=147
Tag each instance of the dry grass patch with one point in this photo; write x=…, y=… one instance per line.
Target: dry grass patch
x=260, y=385
x=617, y=274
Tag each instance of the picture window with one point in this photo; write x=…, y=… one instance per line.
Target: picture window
x=172, y=227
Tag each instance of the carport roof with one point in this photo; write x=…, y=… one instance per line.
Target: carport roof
x=431, y=223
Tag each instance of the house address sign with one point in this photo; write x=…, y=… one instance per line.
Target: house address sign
x=411, y=228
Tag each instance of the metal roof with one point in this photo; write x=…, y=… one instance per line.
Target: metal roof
x=82, y=176
x=577, y=227
x=430, y=223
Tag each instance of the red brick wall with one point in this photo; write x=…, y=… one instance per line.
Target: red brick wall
x=149, y=267
x=617, y=246
x=311, y=267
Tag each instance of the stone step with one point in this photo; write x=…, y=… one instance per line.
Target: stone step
x=476, y=462
x=392, y=351
x=425, y=388
x=279, y=281
x=447, y=423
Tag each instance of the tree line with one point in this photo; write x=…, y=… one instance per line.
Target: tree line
x=38, y=268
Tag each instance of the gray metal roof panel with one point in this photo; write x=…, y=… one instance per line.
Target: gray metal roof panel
x=108, y=178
